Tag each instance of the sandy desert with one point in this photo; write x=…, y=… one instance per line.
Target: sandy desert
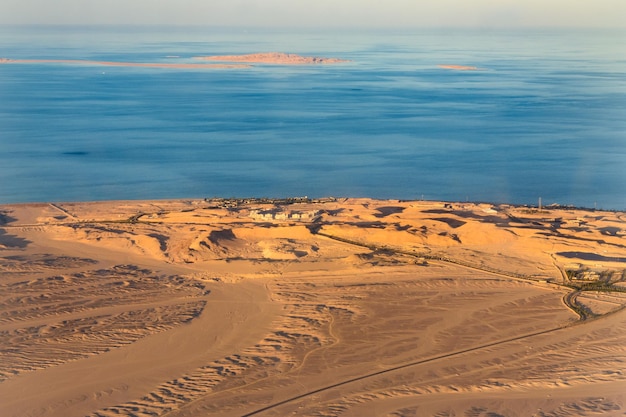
x=333, y=307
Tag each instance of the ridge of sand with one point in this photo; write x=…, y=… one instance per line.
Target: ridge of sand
x=273, y=58
x=310, y=307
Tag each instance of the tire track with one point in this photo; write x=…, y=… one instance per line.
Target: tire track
x=420, y=362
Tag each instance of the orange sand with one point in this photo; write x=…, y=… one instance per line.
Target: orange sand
x=337, y=307
x=459, y=67
x=274, y=58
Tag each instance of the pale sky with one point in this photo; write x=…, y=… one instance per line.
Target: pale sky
x=321, y=13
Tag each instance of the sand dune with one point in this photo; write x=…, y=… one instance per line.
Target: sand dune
x=313, y=308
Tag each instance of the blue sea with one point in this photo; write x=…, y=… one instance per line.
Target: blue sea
x=545, y=116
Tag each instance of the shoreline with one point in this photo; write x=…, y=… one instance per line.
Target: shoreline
x=234, y=201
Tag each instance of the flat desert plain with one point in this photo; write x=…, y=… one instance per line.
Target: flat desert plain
x=334, y=307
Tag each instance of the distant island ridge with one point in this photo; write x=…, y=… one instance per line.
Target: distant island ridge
x=226, y=61
x=274, y=58
x=223, y=61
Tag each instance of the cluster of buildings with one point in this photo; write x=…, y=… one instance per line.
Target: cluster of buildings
x=278, y=214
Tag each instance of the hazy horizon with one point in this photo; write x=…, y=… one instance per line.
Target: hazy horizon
x=322, y=13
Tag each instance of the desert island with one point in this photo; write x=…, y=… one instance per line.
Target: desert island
x=224, y=61
x=329, y=307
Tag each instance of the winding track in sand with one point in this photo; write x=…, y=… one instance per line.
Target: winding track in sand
x=400, y=368
x=569, y=300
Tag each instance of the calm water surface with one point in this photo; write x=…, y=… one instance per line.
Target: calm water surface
x=544, y=117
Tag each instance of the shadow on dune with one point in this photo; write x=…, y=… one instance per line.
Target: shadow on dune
x=12, y=241
x=587, y=256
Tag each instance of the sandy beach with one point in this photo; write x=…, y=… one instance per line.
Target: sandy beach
x=333, y=307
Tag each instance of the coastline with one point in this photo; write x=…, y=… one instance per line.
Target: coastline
x=314, y=213
x=235, y=201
